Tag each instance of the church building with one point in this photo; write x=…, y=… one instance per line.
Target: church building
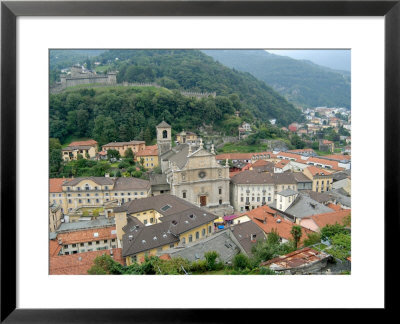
x=193, y=173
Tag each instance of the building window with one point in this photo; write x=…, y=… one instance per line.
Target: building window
x=151, y=220
x=209, y=229
x=113, y=240
x=203, y=232
x=220, y=201
x=241, y=199
x=171, y=245
x=184, y=194
x=69, y=201
x=190, y=238
x=105, y=241
x=89, y=243
x=145, y=222
x=183, y=240
x=65, y=246
x=97, y=242
x=80, y=201
x=88, y=200
x=97, y=200
x=197, y=235
x=220, y=191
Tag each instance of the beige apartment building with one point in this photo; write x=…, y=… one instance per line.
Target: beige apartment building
x=91, y=192
x=122, y=147
x=87, y=149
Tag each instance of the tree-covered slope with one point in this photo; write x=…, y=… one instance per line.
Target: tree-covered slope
x=195, y=71
x=301, y=82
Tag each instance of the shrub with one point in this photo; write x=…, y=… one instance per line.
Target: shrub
x=266, y=271
x=331, y=230
x=312, y=238
x=199, y=266
x=211, y=259
x=240, y=261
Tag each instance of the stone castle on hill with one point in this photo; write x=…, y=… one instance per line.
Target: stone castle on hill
x=78, y=76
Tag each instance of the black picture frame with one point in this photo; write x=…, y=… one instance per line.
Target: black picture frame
x=11, y=10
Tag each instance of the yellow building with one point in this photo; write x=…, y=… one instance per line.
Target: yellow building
x=121, y=147
x=87, y=149
x=321, y=179
x=149, y=157
x=186, y=137
x=155, y=224
x=94, y=192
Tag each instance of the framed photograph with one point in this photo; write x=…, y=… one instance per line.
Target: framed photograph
x=35, y=35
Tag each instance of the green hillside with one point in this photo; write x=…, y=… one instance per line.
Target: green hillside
x=301, y=82
x=121, y=113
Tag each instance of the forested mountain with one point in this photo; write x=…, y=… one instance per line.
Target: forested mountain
x=193, y=70
x=124, y=113
x=301, y=82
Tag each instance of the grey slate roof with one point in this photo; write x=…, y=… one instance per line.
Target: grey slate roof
x=337, y=176
x=163, y=124
x=131, y=183
x=304, y=206
x=255, y=177
x=119, y=183
x=219, y=242
x=287, y=192
x=301, y=177
x=337, y=194
x=98, y=180
x=243, y=233
x=321, y=197
x=77, y=226
x=179, y=216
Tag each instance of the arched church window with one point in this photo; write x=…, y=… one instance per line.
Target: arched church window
x=165, y=134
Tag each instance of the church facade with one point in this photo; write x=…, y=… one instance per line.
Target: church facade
x=194, y=174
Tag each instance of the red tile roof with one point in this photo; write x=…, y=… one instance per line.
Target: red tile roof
x=317, y=171
x=338, y=157
x=87, y=235
x=90, y=142
x=149, y=150
x=331, y=218
x=54, y=248
x=265, y=213
x=80, y=263
x=56, y=184
x=334, y=207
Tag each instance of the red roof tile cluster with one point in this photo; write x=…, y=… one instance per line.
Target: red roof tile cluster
x=338, y=157
x=317, y=171
x=331, y=218
x=80, y=263
x=267, y=219
x=281, y=164
x=90, y=142
x=56, y=184
x=334, y=207
x=54, y=248
x=87, y=235
x=149, y=150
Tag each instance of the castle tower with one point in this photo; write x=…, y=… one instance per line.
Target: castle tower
x=163, y=137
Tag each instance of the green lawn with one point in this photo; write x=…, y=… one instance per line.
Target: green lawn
x=242, y=148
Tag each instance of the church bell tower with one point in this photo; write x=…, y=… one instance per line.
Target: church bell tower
x=163, y=137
